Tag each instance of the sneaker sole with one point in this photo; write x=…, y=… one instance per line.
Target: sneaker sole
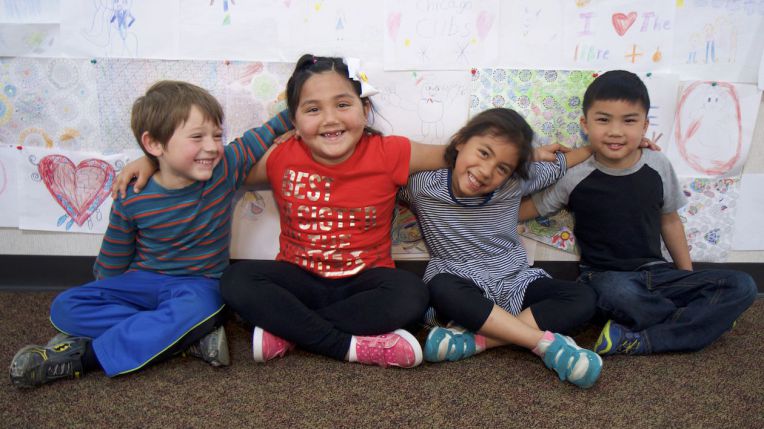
x=24, y=369
x=406, y=335
x=257, y=345
x=223, y=358
x=591, y=378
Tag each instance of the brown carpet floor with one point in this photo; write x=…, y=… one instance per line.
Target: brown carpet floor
x=720, y=387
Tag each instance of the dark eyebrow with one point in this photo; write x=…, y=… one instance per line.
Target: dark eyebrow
x=488, y=148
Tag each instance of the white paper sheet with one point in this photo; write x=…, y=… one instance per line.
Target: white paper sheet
x=663, y=89
x=29, y=11
x=439, y=35
x=29, y=40
x=628, y=34
x=425, y=106
x=718, y=40
x=713, y=128
x=761, y=70
x=334, y=28
x=9, y=158
x=66, y=191
x=132, y=29
x=233, y=30
x=748, y=233
x=256, y=227
x=531, y=34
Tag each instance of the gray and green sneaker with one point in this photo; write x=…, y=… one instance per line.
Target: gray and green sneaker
x=35, y=365
x=212, y=348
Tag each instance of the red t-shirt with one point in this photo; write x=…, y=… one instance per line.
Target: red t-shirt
x=335, y=219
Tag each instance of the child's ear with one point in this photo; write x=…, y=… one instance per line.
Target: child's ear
x=584, y=128
x=151, y=145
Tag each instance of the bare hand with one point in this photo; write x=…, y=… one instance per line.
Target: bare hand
x=651, y=144
x=141, y=169
x=548, y=152
x=284, y=137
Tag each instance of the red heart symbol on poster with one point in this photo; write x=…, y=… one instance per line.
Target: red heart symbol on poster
x=80, y=189
x=622, y=22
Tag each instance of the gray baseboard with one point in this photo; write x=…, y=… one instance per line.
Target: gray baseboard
x=46, y=272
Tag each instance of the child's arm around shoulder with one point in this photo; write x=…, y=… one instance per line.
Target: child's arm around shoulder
x=528, y=210
x=672, y=232
x=426, y=157
x=258, y=175
x=257, y=139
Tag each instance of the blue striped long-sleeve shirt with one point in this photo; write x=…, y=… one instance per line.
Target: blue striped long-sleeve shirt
x=184, y=231
x=478, y=239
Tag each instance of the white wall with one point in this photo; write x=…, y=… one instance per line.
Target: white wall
x=14, y=241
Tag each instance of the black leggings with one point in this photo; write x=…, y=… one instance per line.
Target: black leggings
x=319, y=314
x=556, y=305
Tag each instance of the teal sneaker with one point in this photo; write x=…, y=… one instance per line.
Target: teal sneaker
x=572, y=363
x=616, y=339
x=449, y=344
x=36, y=365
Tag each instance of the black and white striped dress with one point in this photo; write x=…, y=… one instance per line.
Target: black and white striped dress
x=476, y=238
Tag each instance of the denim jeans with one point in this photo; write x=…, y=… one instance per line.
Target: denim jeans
x=673, y=310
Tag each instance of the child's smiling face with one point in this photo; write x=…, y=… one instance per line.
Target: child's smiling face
x=330, y=117
x=484, y=163
x=191, y=154
x=615, y=129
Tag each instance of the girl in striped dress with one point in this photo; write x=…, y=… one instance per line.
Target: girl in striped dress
x=479, y=279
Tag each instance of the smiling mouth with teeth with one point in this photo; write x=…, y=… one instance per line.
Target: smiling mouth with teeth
x=333, y=134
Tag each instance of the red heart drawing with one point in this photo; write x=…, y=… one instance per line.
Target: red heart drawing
x=622, y=22
x=78, y=190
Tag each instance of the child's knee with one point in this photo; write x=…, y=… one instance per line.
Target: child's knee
x=61, y=311
x=744, y=286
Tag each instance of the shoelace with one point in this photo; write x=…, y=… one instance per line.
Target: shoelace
x=629, y=346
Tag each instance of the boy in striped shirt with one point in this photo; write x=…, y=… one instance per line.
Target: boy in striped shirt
x=156, y=293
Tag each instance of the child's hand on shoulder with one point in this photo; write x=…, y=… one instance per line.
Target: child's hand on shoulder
x=548, y=153
x=141, y=169
x=284, y=137
x=651, y=144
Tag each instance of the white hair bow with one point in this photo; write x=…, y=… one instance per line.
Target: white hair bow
x=355, y=73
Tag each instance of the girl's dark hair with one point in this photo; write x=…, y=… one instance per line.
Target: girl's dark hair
x=307, y=66
x=498, y=122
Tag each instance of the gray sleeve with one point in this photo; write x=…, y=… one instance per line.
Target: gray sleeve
x=673, y=197
x=556, y=196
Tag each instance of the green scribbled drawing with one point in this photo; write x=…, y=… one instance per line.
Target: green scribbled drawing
x=550, y=100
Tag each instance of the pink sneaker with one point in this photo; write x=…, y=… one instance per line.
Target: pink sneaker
x=398, y=348
x=266, y=346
